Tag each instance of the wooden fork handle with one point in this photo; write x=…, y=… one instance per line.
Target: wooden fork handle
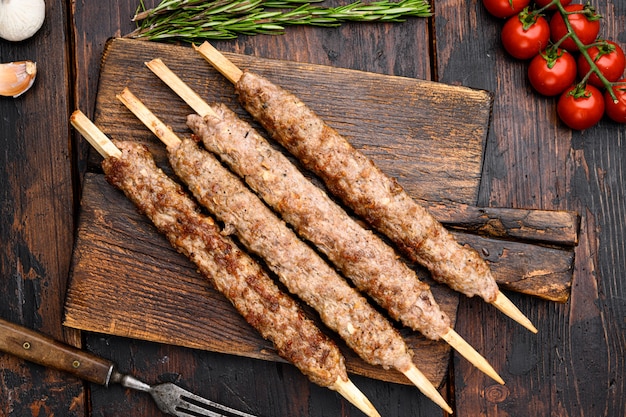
x=43, y=350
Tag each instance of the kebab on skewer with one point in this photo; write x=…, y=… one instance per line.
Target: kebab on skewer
x=276, y=316
x=362, y=256
x=354, y=178
x=297, y=265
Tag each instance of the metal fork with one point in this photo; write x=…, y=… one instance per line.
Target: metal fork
x=43, y=350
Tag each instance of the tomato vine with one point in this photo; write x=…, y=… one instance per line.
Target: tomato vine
x=574, y=63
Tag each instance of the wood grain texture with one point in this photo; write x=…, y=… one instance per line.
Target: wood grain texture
x=36, y=221
x=556, y=227
x=533, y=161
x=544, y=272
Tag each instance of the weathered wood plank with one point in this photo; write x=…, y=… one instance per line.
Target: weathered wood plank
x=548, y=226
x=36, y=224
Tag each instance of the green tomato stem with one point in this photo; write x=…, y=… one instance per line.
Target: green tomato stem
x=546, y=7
x=583, y=51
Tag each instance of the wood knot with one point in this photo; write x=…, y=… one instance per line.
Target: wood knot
x=496, y=393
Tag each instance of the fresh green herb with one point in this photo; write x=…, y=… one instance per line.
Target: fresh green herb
x=199, y=20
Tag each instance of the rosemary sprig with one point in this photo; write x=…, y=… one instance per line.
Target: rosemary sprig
x=199, y=20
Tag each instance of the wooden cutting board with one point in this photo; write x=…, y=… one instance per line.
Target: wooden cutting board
x=127, y=280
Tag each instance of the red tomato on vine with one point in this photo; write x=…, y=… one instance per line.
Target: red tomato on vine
x=552, y=71
x=585, y=23
x=581, y=107
x=609, y=58
x=525, y=35
x=616, y=110
x=505, y=8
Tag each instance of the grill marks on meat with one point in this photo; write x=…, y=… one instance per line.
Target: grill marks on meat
x=363, y=257
x=275, y=315
x=298, y=266
x=362, y=186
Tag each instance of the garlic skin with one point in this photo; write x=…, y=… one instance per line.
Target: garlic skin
x=21, y=19
x=17, y=77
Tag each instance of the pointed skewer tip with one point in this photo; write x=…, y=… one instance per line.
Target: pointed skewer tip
x=468, y=352
x=506, y=306
x=426, y=387
x=350, y=392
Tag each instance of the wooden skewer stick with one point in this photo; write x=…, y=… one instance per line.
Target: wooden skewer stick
x=426, y=387
x=94, y=136
x=219, y=62
x=180, y=88
x=346, y=388
x=233, y=74
x=155, y=125
x=350, y=392
x=506, y=306
x=468, y=352
x=177, y=85
x=201, y=107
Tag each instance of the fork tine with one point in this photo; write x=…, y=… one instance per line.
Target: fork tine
x=195, y=402
x=179, y=402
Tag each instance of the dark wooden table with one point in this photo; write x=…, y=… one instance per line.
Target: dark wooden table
x=575, y=365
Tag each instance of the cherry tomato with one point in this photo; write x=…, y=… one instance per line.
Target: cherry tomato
x=525, y=35
x=616, y=111
x=552, y=71
x=609, y=58
x=505, y=8
x=585, y=22
x=544, y=3
x=581, y=107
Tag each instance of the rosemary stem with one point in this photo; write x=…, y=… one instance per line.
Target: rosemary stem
x=198, y=20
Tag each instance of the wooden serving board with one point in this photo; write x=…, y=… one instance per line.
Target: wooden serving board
x=127, y=280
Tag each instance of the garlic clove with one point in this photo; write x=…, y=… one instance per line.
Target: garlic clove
x=17, y=77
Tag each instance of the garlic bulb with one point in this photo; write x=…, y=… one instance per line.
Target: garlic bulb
x=20, y=19
x=16, y=77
